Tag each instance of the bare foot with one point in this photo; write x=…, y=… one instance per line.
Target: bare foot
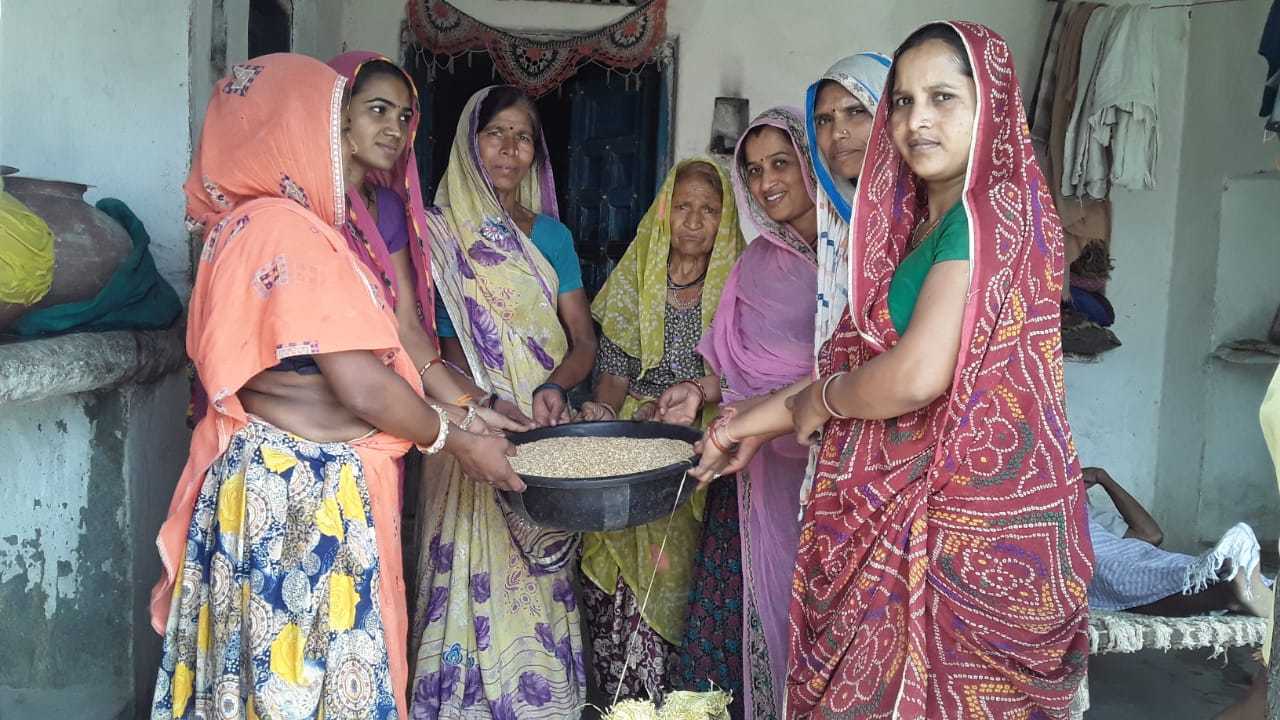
x=1252, y=596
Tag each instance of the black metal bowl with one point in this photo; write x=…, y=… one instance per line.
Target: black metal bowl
x=604, y=503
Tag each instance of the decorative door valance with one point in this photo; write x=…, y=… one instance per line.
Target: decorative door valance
x=632, y=3
x=539, y=63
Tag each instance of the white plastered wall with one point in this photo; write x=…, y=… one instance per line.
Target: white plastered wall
x=1145, y=411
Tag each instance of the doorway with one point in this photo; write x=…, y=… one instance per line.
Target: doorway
x=608, y=136
x=270, y=27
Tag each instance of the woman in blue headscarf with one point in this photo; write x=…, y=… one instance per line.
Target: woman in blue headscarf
x=838, y=112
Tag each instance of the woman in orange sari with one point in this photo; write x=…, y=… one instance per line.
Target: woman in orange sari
x=282, y=593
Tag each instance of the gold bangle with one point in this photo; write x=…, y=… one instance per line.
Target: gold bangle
x=723, y=422
x=423, y=372
x=702, y=394
x=713, y=433
x=464, y=400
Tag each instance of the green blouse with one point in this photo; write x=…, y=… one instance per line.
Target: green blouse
x=948, y=241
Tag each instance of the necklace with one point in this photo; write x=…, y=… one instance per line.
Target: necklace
x=684, y=299
x=673, y=285
x=918, y=237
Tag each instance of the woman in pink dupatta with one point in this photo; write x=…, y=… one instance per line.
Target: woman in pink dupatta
x=762, y=340
x=386, y=216
x=386, y=225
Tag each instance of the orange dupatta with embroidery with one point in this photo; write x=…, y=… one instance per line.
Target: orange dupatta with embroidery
x=276, y=279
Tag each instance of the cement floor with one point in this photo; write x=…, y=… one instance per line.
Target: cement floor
x=1177, y=685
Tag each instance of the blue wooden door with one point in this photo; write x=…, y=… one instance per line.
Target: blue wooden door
x=612, y=159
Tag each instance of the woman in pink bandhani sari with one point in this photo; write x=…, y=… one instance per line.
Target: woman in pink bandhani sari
x=944, y=556
x=762, y=340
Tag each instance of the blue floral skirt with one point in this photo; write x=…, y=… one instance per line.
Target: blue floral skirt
x=276, y=609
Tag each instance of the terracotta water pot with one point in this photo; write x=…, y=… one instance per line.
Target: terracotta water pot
x=87, y=244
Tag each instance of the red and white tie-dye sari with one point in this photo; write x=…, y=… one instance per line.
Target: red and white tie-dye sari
x=944, y=554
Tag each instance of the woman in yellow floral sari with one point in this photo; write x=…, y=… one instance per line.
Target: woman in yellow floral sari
x=497, y=621
x=652, y=313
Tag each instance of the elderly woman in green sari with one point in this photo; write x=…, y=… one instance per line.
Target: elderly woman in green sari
x=652, y=313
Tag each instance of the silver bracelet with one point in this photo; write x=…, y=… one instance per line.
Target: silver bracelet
x=827, y=403
x=441, y=435
x=470, y=418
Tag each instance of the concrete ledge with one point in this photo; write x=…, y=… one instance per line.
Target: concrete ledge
x=80, y=362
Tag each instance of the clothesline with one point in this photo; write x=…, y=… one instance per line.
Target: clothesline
x=1195, y=3
x=1191, y=4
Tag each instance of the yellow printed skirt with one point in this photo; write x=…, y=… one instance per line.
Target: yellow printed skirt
x=277, y=614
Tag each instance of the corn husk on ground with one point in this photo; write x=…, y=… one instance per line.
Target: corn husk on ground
x=680, y=705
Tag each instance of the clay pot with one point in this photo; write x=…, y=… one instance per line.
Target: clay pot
x=87, y=244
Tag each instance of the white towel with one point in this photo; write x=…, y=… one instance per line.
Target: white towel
x=1129, y=572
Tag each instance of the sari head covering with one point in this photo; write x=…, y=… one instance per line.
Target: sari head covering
x=499, y=289
x=360, y=227
x=944, y=556
x=497, y=622
x=276, y=280
x=632, y=306
x=863, y=75
x=756, y=339
x=762, y=340
x=631, y=309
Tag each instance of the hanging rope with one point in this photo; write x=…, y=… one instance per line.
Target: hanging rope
x=631, y=641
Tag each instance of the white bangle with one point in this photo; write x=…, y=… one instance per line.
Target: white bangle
x=826, y=403
x=470, y=418
x=441, y=435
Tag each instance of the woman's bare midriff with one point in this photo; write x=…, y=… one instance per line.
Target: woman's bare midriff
x=301, y=404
